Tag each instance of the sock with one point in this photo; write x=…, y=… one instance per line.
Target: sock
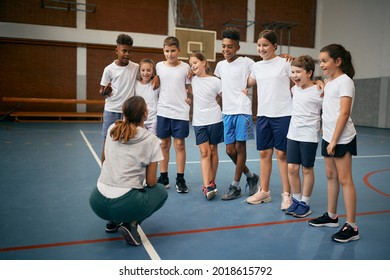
x=306, y=199
x=332, y=216
x=353, y=225
x=249, y=174
x=180, y=175
x=236, y=184
x=297, y=196
x=164, y=174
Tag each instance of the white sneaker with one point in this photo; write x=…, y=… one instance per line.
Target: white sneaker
x=259, y=197
x=286, y=201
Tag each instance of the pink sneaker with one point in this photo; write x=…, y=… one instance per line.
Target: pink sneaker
x=259, y=197
x=286, y=201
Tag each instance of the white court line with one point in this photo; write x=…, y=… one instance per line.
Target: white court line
x=145, y=241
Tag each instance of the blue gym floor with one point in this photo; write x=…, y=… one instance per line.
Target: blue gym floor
x=49, y=169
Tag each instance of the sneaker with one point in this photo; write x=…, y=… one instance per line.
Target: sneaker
x=130, y=234
x=346, y=234
x=111, y=227
x=286, y=201
x=324, y=221
x=294, y=205
x=302, y=210
x=232, y=193
x=210, y=191
x=259, y=197
x=181, y=186
x=252, y=184
x=164, y=181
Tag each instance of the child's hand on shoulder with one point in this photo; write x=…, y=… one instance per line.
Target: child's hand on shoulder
x=188, y=101
x=245, y=91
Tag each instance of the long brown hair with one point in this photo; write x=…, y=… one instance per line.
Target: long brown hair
x=336, y=51
x=133, y=112
x=202, y=58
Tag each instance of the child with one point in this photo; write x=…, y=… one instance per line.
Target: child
x=206, y=120
x=120, y=195
x=272, y=75
x=145, y=89
x=237, y=110
x=338, y=140
x=173, y=111
x=303, y=134
x=118, y=83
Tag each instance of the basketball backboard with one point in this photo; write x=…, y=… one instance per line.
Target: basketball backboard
x=196, y=40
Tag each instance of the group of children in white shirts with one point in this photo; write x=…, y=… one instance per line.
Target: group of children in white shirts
x=288, y=121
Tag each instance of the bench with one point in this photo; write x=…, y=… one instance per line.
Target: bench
x=61, y=116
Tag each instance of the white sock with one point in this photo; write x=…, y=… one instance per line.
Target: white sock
x=236, y=184
x=332, y=216
x=306, y=199
x=297, y=196
x=249, y=174
x=352, y=225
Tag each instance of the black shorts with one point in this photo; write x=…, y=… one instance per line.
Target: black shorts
x=341, y=149
x=301, y=152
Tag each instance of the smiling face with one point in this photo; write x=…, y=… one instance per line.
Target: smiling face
x=146, y=71
x=198, y=67
x=171, y=54
x=266, y=49
x=124, y=53
x=301, y=77
x=229, y=49
x=329, y=66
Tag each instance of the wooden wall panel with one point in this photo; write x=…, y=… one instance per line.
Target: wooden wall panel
x=31, y=12
x=130, y=16
x=39, y=70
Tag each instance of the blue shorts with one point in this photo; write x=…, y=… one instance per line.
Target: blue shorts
x=237, y=128
x=212, y=133
x=167, y=127
x=272, y=133
x=108, y=119
x=341, y=149
x=301, y=152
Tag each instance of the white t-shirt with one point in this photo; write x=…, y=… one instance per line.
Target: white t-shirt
x=234, y=78
x=125, y=164
x=122, y=79
x=305, y=121
x=273, y=87
x=151, y=98
x=206, y=108
x=334, y=90
x=173, y=94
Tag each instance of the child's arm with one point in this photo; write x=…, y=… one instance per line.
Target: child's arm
x=105, y=90
x=345, y=111
x=156, y=82
x=189, y=94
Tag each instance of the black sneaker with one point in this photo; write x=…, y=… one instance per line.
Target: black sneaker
x=252, y=184
x=164, y=181
x=181, y=186
x=324, y=221
x=130, y=233
x=346, y=234
x=111, y=227
x=231, y=193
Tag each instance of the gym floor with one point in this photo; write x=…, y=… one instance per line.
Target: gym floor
x=48, y=171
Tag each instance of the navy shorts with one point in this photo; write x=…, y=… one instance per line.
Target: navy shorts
x=212, y=133
x=272, y=133
x=167, y=127
x=341, y=149
x=301, y=152
x=108, y=119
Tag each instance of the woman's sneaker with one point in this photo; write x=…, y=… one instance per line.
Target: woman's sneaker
x=302, y=210
x=346, y=234
x=130, y=234
x=259, y=197
x=293, y=207
x=111, y=227
x=324, y=221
